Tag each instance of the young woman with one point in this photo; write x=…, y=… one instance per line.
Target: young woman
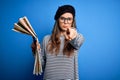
x=60, y=49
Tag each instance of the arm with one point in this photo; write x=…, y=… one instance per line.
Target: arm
x=77, y=41
x=74, y=38
x=36, y=45
x=76, y=71
x=43, y=59
x=43, y=50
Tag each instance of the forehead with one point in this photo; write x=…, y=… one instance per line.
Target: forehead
x=67, y=15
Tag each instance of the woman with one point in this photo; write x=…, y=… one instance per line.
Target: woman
x=60, y=49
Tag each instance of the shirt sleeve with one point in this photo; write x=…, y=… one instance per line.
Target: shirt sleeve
x=43, y=59
x=77, y=41
x=76, y=73
x=43, y=50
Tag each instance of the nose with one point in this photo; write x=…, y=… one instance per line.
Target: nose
x=65, y=21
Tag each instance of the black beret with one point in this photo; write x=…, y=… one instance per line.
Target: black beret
x=63, y=9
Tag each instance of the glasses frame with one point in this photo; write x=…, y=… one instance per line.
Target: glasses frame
x=68, y=20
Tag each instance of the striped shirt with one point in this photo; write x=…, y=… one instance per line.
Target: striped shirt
x=61, y=67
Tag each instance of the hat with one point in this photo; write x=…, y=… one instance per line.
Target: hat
x=63, y=9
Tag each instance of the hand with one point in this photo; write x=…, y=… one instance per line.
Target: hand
x=70, y=33
x=35, y=46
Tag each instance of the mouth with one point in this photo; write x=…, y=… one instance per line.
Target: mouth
x=65, y=26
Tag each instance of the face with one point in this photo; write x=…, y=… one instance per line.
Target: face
x=65, y=21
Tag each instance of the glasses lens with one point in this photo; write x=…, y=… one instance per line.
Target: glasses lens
x=68, y=20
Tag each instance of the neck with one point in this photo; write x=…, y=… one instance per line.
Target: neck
x=62, y=33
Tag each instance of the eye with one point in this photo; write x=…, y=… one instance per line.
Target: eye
x=62, y=18
x=69, y=19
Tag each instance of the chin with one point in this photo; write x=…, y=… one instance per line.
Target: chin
x=64, y=29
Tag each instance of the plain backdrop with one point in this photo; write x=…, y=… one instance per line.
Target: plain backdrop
x=97, y=20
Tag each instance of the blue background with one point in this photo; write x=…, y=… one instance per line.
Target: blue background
x=97, y=20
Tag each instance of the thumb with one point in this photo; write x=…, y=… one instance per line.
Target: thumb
x=67, y=34
x=68, y=31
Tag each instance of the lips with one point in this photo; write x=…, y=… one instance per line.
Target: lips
x=65, y=26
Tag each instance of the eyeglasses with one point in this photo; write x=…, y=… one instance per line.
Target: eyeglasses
x=66, y=20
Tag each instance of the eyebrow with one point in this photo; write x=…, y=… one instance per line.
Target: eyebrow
x=66, y=17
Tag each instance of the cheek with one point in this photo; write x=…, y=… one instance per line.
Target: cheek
x=70, y=25
x=61, y=25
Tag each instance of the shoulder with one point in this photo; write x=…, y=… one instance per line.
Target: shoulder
x=46, y=38
x=80, y=35
x=80, y=38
